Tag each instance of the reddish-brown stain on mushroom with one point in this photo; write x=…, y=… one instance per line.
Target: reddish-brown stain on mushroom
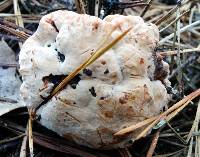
x=122, y=100
x=103, y=62
x=95, y=25
x=141, y=60
x=108, y=114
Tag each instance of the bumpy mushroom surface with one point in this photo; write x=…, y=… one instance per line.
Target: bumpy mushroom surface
x=114, y=92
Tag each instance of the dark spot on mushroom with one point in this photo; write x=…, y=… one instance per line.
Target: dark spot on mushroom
x=54, y=26
x=61, y=57
x=56, y=79
x=88, y=72
x=106, y=71
x=49, y=45
x=103, y=62
x=122, y=100
x=73, y=83
x=92, y=91
x=160, y=72
x=141, y=60
x=95, y=26
x=102, y=98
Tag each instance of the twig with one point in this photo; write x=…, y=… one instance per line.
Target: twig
x=181, y=31
x=155, y=119
x=97, y=6
x=12, y=139
x=173, y=143
x=4, y=4
x=134, y=127
x=188, y=61
x=24, y=142
x=180, y=74
x=80, y=6
x=176, y=133
x=14, y=26
x=9, y=65
x=174, y=21
x=124, y=152
x=153, y=144
x=3, y=99
x=30, y=131
x=189, y=154
x=19, y=34
x=169, y=53
x=146, y=8
x=171, y=154
x=166, y=16
x=174, y=107
x=195, y=123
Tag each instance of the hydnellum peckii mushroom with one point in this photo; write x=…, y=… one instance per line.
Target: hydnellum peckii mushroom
x=121, y=88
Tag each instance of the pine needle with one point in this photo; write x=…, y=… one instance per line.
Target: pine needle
x=136, y=126
x=169, y=114
x=89, y=61
x=181, y=104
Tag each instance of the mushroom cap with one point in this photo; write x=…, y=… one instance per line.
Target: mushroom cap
x=114, y=92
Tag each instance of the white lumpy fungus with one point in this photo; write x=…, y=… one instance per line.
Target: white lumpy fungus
x=118, y=90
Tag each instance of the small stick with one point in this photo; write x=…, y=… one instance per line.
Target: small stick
x=189, y=154
x=166, y=16
x=156, y=119
x=174, y=21
x=134, y=127
x=176, y=133
x=146, y=8
x=195, y=123
x=12, y=139
x=169, y=53
x=30, y=131
x=9, y=100
x=182, y=102
x=14, y=26
x=180, y=74
x=19, y=34
x=80, y=6
x=153, y=144
x=23, y=146
x=97, y=6
x=161, y=42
